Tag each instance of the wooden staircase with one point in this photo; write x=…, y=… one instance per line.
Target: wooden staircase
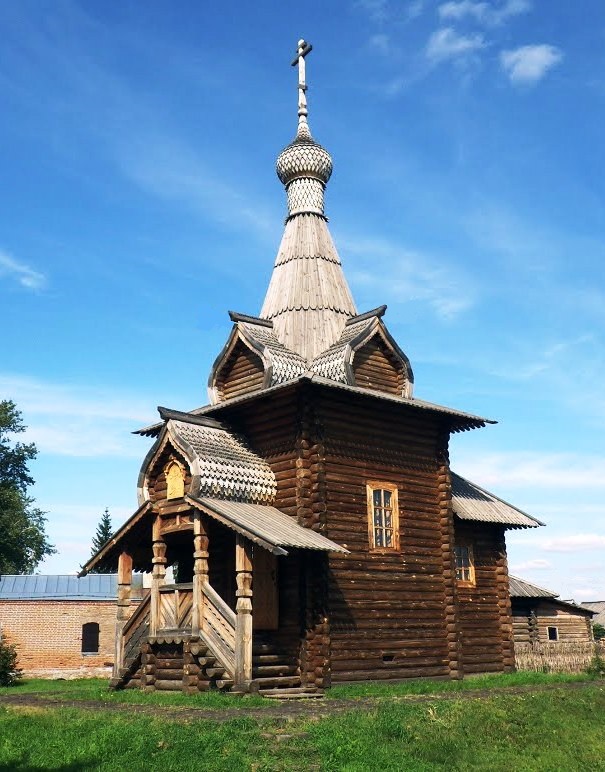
x=276, y=674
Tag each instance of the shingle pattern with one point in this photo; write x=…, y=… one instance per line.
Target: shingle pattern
x=286, y=364
x=308, y=299
x=228, y=468
x=470, y=502
x=305, y=195
x=331, y=363
x=304, y=158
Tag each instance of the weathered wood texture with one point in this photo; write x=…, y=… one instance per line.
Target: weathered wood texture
x=242, y=373
x=484, y=609
x=533, y=616
x=374, y=367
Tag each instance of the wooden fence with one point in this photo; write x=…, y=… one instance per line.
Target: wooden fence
x=557, y=657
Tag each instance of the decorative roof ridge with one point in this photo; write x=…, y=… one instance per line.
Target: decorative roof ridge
x=318, y=256
x=375, y=312
x=237, y=317
x=198, y=420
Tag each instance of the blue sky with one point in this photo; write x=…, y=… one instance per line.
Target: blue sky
x=140, y=202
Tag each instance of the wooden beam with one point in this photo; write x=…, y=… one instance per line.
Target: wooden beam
x=243, y=622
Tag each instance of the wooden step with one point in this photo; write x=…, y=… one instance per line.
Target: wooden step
x=224, y=683
x=215, y=672
x=172, y=685
x=277, y=682
x=269, y=670
x=296, y=693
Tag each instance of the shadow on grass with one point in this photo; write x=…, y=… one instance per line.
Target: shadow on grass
x=21, y=765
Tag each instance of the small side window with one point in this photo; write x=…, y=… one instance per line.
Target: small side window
x=90, y=638
x=383, y=516
x=465, y=564
x=553, y=633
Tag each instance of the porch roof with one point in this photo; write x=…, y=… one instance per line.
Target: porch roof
x=267, y=526
x=470, y=502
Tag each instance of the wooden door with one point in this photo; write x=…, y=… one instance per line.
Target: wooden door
x=265, y=599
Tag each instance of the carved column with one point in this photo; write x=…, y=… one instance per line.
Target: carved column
x=159, y=575
x=200, y=571
x=243, y=622
x=123, y=612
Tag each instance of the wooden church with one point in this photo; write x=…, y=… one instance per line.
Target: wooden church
x=316, y=531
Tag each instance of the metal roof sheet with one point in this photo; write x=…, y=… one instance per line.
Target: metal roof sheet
x=470, y=502
x=58, y=587
x=265, y=525
x=522, y=589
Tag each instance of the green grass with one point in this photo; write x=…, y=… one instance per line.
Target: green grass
x=555, y=730
x=427, y=686
x=98, y=690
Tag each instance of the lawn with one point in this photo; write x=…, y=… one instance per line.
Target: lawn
x=559, y=729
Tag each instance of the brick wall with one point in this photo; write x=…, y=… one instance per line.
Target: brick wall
x=48, y=635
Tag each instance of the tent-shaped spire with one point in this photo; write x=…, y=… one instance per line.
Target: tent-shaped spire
x=308, y=299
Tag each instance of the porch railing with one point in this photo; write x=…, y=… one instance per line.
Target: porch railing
x=175, y=607
x=218, y=627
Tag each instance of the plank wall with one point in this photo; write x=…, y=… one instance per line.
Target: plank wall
x=484, y=610
x=374, y=367
x=242, y=373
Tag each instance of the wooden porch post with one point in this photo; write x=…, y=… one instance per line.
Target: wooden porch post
x=159, y=575
x=243, y=623
x=200, y=571
x=124, y=589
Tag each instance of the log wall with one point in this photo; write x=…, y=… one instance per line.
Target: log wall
x=242, y=373
x=484, y=609
x=374, y=367
x=533, y=616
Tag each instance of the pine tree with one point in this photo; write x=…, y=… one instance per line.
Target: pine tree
x=103, y=533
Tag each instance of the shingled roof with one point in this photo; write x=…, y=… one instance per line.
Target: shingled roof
x=519, y=588
x=222, y=464
x=470, y=502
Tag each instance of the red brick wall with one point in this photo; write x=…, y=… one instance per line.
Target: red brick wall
x=48, y=634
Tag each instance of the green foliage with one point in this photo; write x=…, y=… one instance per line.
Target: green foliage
x=598, y=631
x=102, y=535
x=24, y=542
x=596, y=669
x=9, y=672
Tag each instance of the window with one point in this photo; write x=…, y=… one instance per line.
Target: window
x=90, y=638
x=175, y=481
x=383, y=516
x=465, y=567
x=553, y=633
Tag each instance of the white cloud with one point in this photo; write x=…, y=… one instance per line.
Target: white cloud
x=67, y=420
x=380, y=43
x=531, y=565
x=446, y=43
x=21, y=273
x=406, y=276
x=535, y=470
x=377, y=10
x=578, y=542
x=528, y=64
x=483, y=12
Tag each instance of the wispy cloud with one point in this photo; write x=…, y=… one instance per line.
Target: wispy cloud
x=538, y=564
x=483, y=12
x=555, y=471
x=381, y=44
x=20, y=272
x=377, y=10
x=406, y=275
x=445, y=43
x=529, y=64
x=67, y=420
x=575, y=542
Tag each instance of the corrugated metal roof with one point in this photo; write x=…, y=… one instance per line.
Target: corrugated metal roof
x=598, y=606
x=522, y=589
x=58, y=587
x=470, y=502
x=265, y=525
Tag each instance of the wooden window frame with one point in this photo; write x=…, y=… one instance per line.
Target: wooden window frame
x=471, y=581
x=548, y=629
x=393, y=490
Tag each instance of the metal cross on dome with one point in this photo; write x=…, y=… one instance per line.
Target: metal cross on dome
x=303, y=49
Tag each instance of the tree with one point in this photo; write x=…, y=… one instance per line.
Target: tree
x=103, y=534
x=598, y=631
x=23, y=540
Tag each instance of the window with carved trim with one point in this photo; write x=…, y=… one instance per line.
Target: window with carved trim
x=465, y=564
x=383, y=516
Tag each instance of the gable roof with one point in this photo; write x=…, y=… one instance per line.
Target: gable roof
x=221, y=462
x=519, y=588
x=58, y=587
x=470, y=502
